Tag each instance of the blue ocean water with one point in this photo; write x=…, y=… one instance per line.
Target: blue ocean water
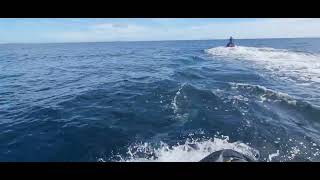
x=160, y=101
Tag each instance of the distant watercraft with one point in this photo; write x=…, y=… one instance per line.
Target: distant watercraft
x=230, y=44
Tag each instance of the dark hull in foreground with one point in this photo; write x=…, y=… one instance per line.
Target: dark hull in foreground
x=227, y=155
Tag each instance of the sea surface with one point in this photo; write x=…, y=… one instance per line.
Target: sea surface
x=160, y=101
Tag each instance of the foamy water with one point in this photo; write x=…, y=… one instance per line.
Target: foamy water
x=192, y=150
x=288, y=65
x=265, y=94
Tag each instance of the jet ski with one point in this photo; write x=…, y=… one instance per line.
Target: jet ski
x=227, y=155
x=230, y=44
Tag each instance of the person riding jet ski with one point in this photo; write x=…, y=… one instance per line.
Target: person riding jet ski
x=230, y=44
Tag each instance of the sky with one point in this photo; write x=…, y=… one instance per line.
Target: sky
x=52, y=30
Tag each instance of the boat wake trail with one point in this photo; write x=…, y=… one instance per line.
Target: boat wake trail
x=298, y=67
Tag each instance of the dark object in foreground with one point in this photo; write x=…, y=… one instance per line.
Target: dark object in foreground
x=227, y=155
x=230, y=44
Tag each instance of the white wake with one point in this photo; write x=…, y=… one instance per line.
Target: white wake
x=193, y=150
x=288, y=65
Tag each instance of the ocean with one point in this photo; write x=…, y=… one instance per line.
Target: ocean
x=160, y=101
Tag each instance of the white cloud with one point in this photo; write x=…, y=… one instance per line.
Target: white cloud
x=260, y=28
x=112, y=32
x=264, y=28
x=285, y=20
x=109, y=26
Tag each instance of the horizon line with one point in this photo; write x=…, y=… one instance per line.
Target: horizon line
x=155, y=40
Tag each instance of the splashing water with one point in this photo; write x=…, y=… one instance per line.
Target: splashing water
x=287, y=64
x=192, y=150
